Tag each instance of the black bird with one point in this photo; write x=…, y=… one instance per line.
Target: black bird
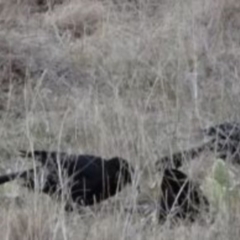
x=224, y=131
x=177, y=159
x=180, y=197
x=226, y=140
x=87, y=179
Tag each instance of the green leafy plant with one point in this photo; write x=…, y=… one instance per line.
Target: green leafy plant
x=219, y=185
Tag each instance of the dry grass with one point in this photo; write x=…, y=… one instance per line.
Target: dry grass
x=128, y=78
x=79, y=19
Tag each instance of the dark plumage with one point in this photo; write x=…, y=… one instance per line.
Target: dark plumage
x=226, y=140
x=181, y=198
x=87, y=179
x=177, y=159
x=224, y=131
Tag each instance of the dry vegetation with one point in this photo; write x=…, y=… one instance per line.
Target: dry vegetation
x=134, y=78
